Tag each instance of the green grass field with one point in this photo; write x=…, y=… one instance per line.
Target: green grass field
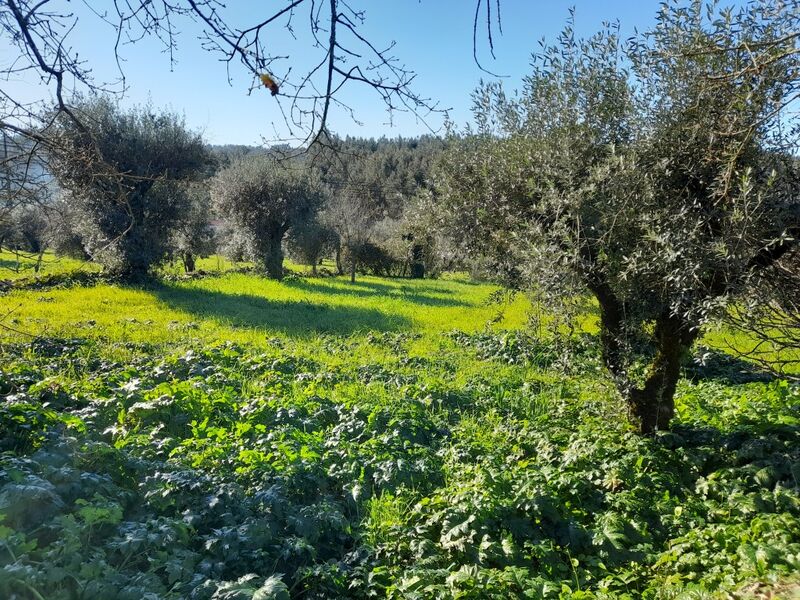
x=22, y=265
x=229, y=437
x=250, y=309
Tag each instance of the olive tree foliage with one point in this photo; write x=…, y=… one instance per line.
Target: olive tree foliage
x=308, y=242
x=125, y=173
x=352, y=213
x=428, y=249
x=193, y=234
x=654, y=174
x=366, y=183
x=770, y=315
x=26, y=230
x=63, y=235
x=261, y=199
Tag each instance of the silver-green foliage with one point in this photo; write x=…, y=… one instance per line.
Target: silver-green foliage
x=261, y=199
x=123, y=172
x=656, y=173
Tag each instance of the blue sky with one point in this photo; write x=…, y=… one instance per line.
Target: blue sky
x=433, y=38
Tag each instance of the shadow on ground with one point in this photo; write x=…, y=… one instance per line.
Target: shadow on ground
x=297, y=318
x=14, y=267
x=715, y=365
x=368, y=289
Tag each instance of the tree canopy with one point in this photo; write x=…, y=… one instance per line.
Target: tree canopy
x=655, y=173
x=124, y=171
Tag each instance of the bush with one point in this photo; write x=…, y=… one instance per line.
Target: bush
x=376, y=260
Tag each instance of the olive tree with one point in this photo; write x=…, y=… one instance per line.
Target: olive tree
x=352, y=214
x=308, y=242
x=262, y=199
x=62, y=233
x=124, y=172
x=193, y=235
x=655, y=175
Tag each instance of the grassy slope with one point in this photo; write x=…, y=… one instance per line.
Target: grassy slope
x=470, y=466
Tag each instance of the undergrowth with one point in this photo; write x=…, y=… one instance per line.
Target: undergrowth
x=360, y=467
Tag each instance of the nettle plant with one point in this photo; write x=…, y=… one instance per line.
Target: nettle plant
x=656, y=173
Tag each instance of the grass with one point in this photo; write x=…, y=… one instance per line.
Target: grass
x=249, y=309
x=234, y=437
x=14, y=266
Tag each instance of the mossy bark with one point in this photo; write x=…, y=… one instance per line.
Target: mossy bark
x=652, y=404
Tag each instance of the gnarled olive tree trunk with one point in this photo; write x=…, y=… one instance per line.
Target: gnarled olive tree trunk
x=652, y=403
x=188, y=262
x=272, y=253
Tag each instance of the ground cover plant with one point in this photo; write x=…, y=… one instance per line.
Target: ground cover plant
x=245, y=373
x=234, y=437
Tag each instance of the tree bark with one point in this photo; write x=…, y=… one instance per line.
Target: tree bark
x=188, y=262
x=653, y=404
x=339, y=268
x=273, y=257
x=612, y=311
x=417, y=261
x=352, y=267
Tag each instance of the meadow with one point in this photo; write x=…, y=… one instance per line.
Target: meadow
x=231, y=437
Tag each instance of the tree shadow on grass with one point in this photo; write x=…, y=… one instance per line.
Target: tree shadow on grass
x=368, y=289
x=12, y=265
x=293, y=317
x=716, y=365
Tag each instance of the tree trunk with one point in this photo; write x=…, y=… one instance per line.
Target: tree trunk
x=653, y=404
x=188, y=262
x=612, y=311
x=273, y=257
x=339, y=268
x=38, y=265
x=417, y=261
x=352, y=267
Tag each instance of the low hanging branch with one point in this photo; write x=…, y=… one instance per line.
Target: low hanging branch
x=40, y=31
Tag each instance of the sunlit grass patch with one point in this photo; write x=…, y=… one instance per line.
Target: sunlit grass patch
x=18, y=265
x=248, y=308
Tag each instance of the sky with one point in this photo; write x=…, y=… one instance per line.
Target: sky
x=433, y=38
